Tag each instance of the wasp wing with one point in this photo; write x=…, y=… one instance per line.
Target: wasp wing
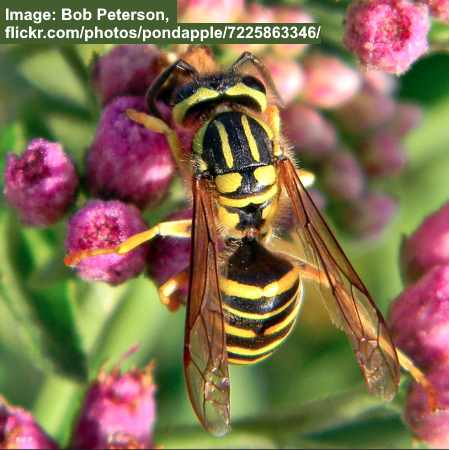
x=348, y=302
x=205, y=355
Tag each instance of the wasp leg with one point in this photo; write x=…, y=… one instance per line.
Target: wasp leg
x=156, y=87
x=408, y=365
x=274, y=122
x=312, y=273
x=175, y=228
x=307, y=178
x=159, y=126
x=170, y=293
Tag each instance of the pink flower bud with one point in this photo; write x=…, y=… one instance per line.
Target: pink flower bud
x=383, y=154
x=119, y=411
x=288, y=14
x=127, y=161
x=431, y=427
x=389, y=35
x=312, y=135
x=169, y=256
x=342, y=176
x=329, y=83
x=379, y=82
x=105, y=224
x=428, y=246
x=18, y=429
x=41, y=183
x=126, y=70
x=287, y=76
x=206, y=11
x=368, y=216
x=366, y=111
x=407, y=117
x=419, y=319
x=439, y=9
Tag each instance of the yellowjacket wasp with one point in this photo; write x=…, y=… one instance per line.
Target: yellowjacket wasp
x=244, y=293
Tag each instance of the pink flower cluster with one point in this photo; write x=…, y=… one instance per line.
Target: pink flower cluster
x=348, y=128
x=419, y=320
x=40, y=184
x=387, y=34
x=119, y=412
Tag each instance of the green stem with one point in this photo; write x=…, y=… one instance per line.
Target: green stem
x=54, y=406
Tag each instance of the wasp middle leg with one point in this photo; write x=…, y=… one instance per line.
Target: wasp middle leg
x=316, y=275
x=171, y=293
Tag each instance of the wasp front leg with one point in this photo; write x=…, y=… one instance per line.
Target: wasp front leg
x=159, y=126
x=175, y=228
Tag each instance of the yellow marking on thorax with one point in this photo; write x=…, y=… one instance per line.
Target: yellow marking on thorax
x=201, y=95
x=249, y=292
x=267, y=129
x=228, y=182
x=265, y=175
x=256, y=199
x=270, y=210
x=202, y=165
x=228, y=219
x=225, y=147
x=251, y=141
x=242, y=90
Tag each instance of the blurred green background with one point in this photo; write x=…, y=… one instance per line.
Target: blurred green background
x=56, y=330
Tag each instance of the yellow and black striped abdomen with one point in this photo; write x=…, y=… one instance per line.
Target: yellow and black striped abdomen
x=262, y=296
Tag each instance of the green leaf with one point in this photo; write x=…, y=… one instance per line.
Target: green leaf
x=11, y=140
x=234, y=440
x=49, y=72
x=76, y=135
x=46, y=315
x=312, y=425
x=138, y=319
x=53, y=271
x=381, y=431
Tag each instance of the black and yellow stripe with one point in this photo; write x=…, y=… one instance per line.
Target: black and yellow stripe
x=233, y=141
x=261, y=291
x=236, y=149
x=261, y=299
x=212, y=90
